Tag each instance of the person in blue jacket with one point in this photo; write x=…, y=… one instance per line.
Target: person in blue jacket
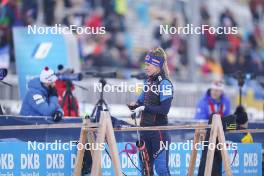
x=154, y=102
x=41, y=98
x=214, y=101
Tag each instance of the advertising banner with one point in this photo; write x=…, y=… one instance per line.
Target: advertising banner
x=57, y=158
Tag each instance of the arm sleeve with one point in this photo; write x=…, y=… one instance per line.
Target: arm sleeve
x=166, y=90
x=201, y=111
x=163, y=108
x=39, y=104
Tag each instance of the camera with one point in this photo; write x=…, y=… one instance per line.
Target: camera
x=140, y=76
x=102, y=75
x=241, y=77
x=68, y=74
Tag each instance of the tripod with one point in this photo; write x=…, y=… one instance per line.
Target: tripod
x=95, y=118
x=99, y=106
x=70, y=99
x=240, y=95
x=240, y=77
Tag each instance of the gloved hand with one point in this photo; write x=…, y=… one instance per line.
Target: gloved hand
x=53, y=91
x=57, y=115
x=132, y=107
x=136, y=112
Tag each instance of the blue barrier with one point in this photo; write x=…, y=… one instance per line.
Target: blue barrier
x=23, y=158
x=16, y=158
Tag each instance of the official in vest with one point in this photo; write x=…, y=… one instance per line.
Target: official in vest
x=214, y=101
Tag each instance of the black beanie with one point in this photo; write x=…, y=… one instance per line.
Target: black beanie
x=241, y=114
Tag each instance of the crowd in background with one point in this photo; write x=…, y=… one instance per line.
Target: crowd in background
x=224, y=54
x=95, y=50
x=219, y=54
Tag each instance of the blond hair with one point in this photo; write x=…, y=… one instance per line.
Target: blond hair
x=161, y=53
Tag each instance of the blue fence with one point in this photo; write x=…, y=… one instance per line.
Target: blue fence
x=24, y=152
x=22, y=158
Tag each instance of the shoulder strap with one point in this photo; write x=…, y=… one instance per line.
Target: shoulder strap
x=212, y=108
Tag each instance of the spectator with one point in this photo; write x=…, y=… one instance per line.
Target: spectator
x=210, y=67
x=227, y=18
x=257, y=9
x=214, y=101
x=95, y=19
x=229, y=63
x=49, y=8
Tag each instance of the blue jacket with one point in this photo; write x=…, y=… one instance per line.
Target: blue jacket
x=166, y=96
x=203, y=109
x=37, y=103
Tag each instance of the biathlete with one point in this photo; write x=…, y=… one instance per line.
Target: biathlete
x=154, y=103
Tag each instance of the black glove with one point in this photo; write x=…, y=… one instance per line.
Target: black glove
x=57, y=116
x=132, y=107
x=53, y=91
